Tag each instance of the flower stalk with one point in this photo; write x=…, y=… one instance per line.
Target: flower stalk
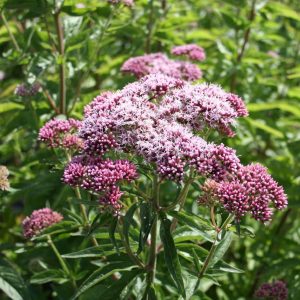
x=61, y=261
x=211, y=252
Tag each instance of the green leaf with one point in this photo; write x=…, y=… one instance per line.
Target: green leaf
x=102, y=274
x=261, y=125
x=128, y=220
x=51, y=275
x=96, y=251
x=11, y=283
x=284, y=106
x=61, y=227
x=194, y=221
x=5, y=107
x=112, y=230
x=222, y=247
x=147, y=218
x=196, y=261
x=170, y=254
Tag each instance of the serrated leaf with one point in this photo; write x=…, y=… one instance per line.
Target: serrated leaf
x=170, y=254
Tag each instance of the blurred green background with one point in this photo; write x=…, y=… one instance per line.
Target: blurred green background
x=252, y=49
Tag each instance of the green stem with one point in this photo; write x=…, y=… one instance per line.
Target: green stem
x=151, y=266
x=61, y=260
x=62, y=71
x=82, y=207
x=211, y=252
x=132, y=256
x=14, y=41
x=150, y=27
x=33, y=112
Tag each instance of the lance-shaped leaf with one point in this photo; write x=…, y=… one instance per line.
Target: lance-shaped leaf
x=103, y=273
x=11, y=283
x=147, y=217
x=170, y=254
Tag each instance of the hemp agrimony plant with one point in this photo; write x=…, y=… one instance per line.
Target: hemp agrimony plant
x=156, y=201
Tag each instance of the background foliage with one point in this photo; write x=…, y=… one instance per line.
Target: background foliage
x=252, y=49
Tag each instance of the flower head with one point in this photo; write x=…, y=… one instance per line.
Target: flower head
x=61, y=134
x=97, y=174
x=111, y=199
x=159, y=63
x=39, y=220
x=276, y=291
x=251, y=190
x=128, y=3
x=192, y=51
x=4, y=183
x=24, y=90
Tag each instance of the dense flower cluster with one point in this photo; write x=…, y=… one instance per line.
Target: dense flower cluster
x=4, y=183
x=192, y=51
x=159, y=63
x=128, y=3
x=61, y=134
x=250, y=190
x=204, y=105
x=275, y=291
x=24, y=90
x=140, y=119
x=97, y=174
x=39, y=220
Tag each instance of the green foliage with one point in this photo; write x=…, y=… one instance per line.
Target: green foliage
x=256, y=57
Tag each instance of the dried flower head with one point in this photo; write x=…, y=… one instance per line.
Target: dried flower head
x=192, y=51
x=39, y=220
x=4, y=183
x=61, y=134
x=275, y=291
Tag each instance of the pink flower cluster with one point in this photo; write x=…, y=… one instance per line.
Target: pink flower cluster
x=203, y=105
x=97, y=174
x=275, y=291
x=159, y=63
x=39, y=220
x=192, y=51
x=24, y=90
x=61, y=134
x=128, y=3
x=250, y=190
x=140, y=119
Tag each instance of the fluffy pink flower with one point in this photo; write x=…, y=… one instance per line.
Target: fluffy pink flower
x=203, y=105
x=39, y=220
x=192, y=51
x=159, y=63
x=276, y=291
x=61, y=134
x=251, y=190
x=142, y=118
